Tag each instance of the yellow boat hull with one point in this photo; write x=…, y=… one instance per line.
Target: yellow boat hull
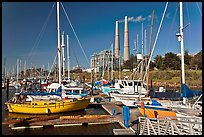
x=48, y=107
x=152, y=113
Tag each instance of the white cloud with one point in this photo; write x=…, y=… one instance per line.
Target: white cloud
x=132, y=19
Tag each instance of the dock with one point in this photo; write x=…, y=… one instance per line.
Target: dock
x=51, y=121
x=133, y=122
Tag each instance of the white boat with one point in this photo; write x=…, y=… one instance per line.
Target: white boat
x=131, y=86
x=120, y=97
x=126, y=87
x=56, y=92
x=135, y=102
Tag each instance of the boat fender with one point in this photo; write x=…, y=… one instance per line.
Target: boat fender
x=47, y=110
x=142, y=105
x=14, y=100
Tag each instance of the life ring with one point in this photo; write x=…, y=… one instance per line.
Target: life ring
x=14, y=100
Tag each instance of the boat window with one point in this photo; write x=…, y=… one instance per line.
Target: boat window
x=139, y=83
x=68, y=91
x=36, y=104
x=125, y=83
x=135, y=83
x=121, y=86
x=76, y=91
x=129, y=83
x=45, y=103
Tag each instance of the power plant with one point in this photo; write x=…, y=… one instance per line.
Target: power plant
x=117, y=42
x=126, y=41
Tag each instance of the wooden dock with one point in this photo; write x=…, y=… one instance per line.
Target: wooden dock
x=53, y=121
x=133, y=122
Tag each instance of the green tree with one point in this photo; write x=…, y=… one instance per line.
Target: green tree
x=196, y=61
x=158, y=62
x=129, y=64
x=171, y=61
x=187, y=58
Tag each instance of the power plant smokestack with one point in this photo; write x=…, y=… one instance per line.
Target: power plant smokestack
x=117, y=45
x=126, y=41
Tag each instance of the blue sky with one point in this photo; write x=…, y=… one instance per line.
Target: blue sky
x=24, y=35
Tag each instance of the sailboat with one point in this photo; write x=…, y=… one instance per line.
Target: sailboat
x=153, y=111
x=42, y=106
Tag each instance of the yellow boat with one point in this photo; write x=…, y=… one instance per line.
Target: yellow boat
x=48, y=107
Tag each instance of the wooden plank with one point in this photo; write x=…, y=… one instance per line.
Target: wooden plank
x=123, y=132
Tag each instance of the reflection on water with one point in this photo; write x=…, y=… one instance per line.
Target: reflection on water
x=106, y=129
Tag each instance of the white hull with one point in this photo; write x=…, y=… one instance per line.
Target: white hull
x=119, y=97
x=135, y=102
x=130, y=103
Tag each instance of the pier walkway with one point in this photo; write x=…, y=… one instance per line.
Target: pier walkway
x=133, y=122
x=167, y=126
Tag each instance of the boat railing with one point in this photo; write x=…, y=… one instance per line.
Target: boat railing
x=170, y=126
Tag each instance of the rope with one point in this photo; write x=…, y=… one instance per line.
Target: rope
x=41, y=33
x=177, y=6
x=199, y=9
x=75, y=33
x=52, y=66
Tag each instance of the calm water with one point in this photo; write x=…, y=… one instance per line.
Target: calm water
x=105, y=129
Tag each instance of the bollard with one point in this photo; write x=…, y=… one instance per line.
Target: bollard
x=126, y=115
x=143, y=107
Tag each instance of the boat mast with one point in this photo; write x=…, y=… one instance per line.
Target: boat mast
x=17, y=72
x=112, y=63
x=68, y=58
x=141, y=71
x=180, y=39
x=147, y=75
x=58, y=49
x=182, y=44
x=25, y=69
x=63, y=58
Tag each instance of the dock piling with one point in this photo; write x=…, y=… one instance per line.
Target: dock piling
x=126, y=115
x=7, y=89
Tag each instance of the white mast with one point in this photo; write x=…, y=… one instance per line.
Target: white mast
x=68, y=58
x=103, y=65
x=25, y=69
x=108, y=65
x=20, y=67
x=112, y=63
x=137, y=44
x=63, y=58
x=182, y=44
x=58, y=29
x=17, y=72
x=142, y=42
x=180, y=39
x=141, y=71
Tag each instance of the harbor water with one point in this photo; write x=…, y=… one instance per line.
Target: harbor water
x=103, y=129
